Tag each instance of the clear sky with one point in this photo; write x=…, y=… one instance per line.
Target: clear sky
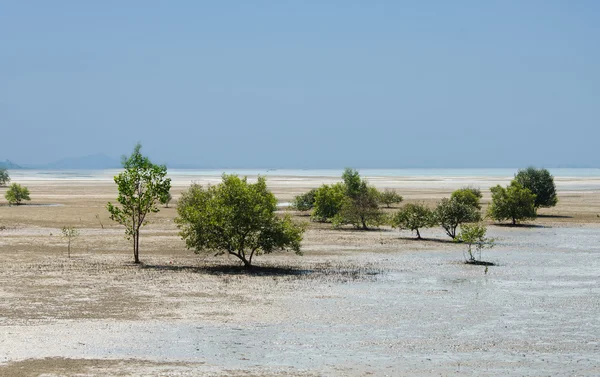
x=303, y=84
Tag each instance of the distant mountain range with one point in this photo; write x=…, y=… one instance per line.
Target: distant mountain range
x=9, y=165
x=96, y=161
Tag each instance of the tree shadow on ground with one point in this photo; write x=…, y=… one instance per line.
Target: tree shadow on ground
x=360, y=230
x=232, y=270
x=479, y=263
x=438, y=240
x=555, y=216
x=522, y=226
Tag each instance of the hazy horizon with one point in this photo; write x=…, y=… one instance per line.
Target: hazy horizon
x=303, y=86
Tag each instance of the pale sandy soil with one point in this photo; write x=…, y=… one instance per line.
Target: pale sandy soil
x=357, y=303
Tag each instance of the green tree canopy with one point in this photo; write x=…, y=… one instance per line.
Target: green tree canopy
x=352, y=201
x=141, y=186
x=451, y=213
x=353, y=184
x=16, y=194
x=4, y=177
x=389, y=197
x=514, y=202
x=361, y=210
x=235, y=217
x=468, y=195
x=304, y=202
x=414, y=217
x=541, y=183
x=329, y=199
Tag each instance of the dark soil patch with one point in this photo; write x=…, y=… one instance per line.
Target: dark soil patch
x=480, y=263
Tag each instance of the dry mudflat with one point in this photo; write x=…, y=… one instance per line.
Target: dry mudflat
x=356, y=304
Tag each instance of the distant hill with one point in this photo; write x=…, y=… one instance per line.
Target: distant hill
x=96, y=161
x=9, y=165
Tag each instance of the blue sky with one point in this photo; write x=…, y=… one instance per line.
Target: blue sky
x=303, y=84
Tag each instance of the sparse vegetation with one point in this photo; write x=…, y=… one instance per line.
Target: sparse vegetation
x=304, y=202
x=166, y=199
x=468, y=195
x=474, y=237
x=515, y=203
x=16, y=194
x=99, y=220
x=329, y=199
x=141, y=186
x=352, y=201
x=541, y=183
x=4, y=177
x=362, y=211
x=69, y=233
x=237, y=218
x=451, y=213
x=388, y=197
x=414, y=217
x=360, y=206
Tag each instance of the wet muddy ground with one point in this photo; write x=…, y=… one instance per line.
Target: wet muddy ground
x=374, y=305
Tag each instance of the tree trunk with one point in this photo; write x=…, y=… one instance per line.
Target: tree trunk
x=247, y=263
x=364, y=224
x=418, y=234
x=514, y=221
x=136, y=246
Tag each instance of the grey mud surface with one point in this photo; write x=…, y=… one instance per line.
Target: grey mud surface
x=428, y=314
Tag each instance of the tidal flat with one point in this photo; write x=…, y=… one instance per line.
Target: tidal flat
x=357, y=303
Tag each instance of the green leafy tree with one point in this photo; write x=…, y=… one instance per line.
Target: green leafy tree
x=514, y=202
x=360, y=206
x=541, y=183
x=69, y=233
x=16, y=194
x=362, y=210
x=305, y=202
x=474, y=236
x=329, y=200
x=468, y=195
x=353, y=184
x=414, y=217
x=141, y=186
x=237, y=218
x=4, y=177
x=389, y=197
x=166, y=199
x=450, y=213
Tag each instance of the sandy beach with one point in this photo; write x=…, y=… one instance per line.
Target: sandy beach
x=356, y=304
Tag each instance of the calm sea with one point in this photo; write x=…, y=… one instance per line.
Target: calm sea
x=331, y=173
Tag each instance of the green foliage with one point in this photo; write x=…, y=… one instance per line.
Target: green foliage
x=237, y=218
x=69, y=233
x=450, y=213
x=541, y=183
x=514, y=202
x=141, y=186
x=329, y=200
x=16, y=194
x=4, y=177
x=305, y=202
x=166, y=199
x=473, y=235
x=353, y=184
x=362, y=210
x=468, y=195
x=389, y=197
x=414, y=217
x=351, y=202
